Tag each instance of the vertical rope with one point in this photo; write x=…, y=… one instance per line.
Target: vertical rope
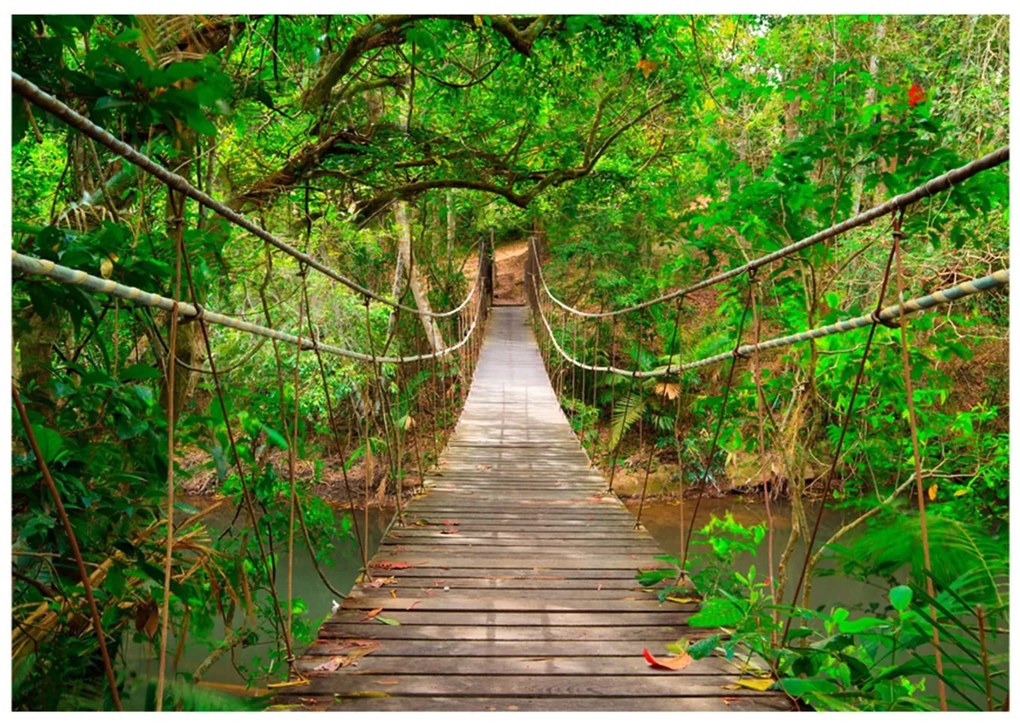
x=623, y=425
x=676, y=439
x=72, y=539
x=170, y=370
x=918, y=471
x=573, y=370
x=340, y=448
x=245, y=489
x=718, y=427
x=648, y=464
x=593, y=383
x=612, y=386
x=760, y=404
x=842, y=436
x=292, y=469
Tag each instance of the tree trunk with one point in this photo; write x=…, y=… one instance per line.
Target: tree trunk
x=418, y=289
x=870, y=97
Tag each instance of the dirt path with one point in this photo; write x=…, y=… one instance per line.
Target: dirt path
x=510, y=261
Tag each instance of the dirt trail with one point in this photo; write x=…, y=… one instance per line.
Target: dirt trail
x=510, y=261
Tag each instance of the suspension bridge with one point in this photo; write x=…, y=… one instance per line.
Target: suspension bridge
x=508, y=581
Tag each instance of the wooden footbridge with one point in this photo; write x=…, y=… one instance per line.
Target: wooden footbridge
x=513, y=579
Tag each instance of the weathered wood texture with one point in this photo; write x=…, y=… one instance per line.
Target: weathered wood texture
x=513, y=579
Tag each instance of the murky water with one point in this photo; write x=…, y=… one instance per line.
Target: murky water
x=143, y=659
x=668, y=522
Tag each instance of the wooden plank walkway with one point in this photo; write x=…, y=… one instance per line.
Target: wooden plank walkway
x=513, y=580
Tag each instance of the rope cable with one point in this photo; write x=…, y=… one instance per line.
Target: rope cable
x=44, y=267
x=929, y=188
x=885, y=315
x=28, y=90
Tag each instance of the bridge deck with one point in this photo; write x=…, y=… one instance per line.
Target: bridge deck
x=513, y=581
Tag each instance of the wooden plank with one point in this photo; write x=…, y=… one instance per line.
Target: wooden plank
x=550, y=618
x=552, y=560
x=379, y=662
x=593, y=686
x=767, y=702
x=635, y=634
x=453, y=601
x=418, y=648
x=556, y=585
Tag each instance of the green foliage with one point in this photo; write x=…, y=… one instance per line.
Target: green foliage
x=833, y=660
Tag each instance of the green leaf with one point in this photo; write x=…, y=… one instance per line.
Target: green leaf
x=655, y=576
x=50, y=442
x=717, y=612
x=275, y=437
x=140, y=372
x=799, y=687
x=900, y=597
x=862, y=624
x=704, y=647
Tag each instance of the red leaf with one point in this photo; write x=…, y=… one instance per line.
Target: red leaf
x=391, y=565
x=371, y=614
x=673, y=663
x=915, y=95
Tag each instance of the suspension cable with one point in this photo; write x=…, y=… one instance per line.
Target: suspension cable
x=44, y=267
x=31, y=92
x=886, y=315
x=929, y=188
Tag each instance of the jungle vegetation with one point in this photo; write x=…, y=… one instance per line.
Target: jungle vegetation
x=643, y=152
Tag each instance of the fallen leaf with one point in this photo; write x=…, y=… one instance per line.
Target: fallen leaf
x=756, y=684
x=451, y=522
x=371, y=614
x=673, y=663
x=483, y=468
x=362, y=652
x=393, y=593
x=387, y=682
x=379, y=582
x=332, y=664
x=676, y=599
x=358, y=643
x=392, y=565
x=449, y=531
x=387, y=621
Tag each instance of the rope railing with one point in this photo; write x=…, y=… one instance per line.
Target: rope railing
x=929, y=188
x=886, y=315
x=66, y=275
x=32, y=93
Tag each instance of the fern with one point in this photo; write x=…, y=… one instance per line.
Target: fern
x=628, y=409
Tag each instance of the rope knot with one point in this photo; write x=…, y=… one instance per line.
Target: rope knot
x=876, y=318
x=198, y=316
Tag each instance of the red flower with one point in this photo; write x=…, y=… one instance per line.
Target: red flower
x=915, y=95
